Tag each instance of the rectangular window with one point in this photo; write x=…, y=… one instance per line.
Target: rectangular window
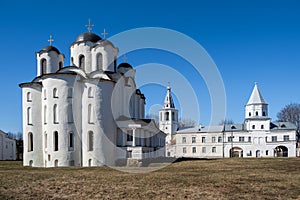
x=194, y=150
x=203, y=139
x=286, y=138
x=274, y=138
x=213, y=139
x=46, y=141
x=219, y=139
x=241, y=139
x=184, y=150
x=129, y=136
x=183, y=139
x=71, y=141
x=203, y=149
x=91, y=141
x=214, y=149
x=193, y=139
x=55, y=141
x=229, y=139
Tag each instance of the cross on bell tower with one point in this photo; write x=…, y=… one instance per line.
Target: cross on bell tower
x=89, y=26
x=50, y=40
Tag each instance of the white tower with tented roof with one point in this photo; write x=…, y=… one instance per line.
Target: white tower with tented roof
x=168, y=119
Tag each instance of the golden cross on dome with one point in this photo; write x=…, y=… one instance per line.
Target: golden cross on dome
x=89, y=26
x=104, y=33
x=50, y=40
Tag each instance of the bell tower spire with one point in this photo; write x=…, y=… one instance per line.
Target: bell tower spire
x=169, y=103
x=168, y=120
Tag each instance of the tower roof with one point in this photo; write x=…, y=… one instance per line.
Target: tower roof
x=169, y=103
x=256, y=97
x=48, y=49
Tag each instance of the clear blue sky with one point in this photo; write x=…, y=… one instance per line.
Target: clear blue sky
x=250, y=41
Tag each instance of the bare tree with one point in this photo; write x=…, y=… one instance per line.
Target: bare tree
x=226, y=121
x=290, y=113
x=184, y=123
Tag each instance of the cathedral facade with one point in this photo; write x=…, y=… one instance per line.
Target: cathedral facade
x=87, y=114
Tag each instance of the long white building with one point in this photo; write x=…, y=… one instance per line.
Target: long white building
x=7, y=147
x=256, y=137
x=87, y=114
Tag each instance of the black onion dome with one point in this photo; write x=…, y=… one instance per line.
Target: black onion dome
x=49, y=48
x=88, y=36
x=125, y=65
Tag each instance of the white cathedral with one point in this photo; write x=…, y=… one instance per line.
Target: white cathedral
x=87, y=114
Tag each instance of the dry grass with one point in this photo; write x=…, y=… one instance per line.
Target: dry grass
x=204, y=179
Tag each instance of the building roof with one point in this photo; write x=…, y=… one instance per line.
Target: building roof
x=48, y=49
x=88, y=36
x=235, y=128
x=203, y=129
x=256, y=97
x=282, y=126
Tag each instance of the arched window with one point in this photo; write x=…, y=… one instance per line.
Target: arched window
x=256, y=113
x=90, y=92
x=70, y=113
x=45, y=114
x=262, y=126
x=99, y=58
x=71, y=141
x=90, y=114
x=264, y=113
x=253, y=126
x=45, y=140
x=30, y=141
x=55, y=114
x=55, y=93
x=55, y=141
x=90, y=141
x=56, y=163
x=167, y=116
x=29, y=119
x=43, y=66
x=249, y=114
x=81, y=62
x=45, y=95
x=173, y=116
x=90, y=162
x=28, y=97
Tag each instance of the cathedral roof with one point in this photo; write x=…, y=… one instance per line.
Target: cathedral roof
x=49, y=48
x=256, y=97
x=125, y=65
x=88, y=36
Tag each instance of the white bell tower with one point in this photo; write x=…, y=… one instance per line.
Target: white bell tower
x=256, y=112
x=168, y=118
